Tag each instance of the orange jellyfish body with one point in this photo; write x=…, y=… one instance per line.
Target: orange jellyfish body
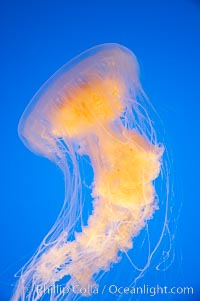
x=92, y=107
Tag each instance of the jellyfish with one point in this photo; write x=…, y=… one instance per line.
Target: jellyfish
x=93, y=109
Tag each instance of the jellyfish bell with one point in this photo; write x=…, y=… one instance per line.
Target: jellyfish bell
x=89, y=89
x=92, y=107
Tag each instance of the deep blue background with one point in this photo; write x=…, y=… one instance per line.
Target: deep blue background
x=37, y=37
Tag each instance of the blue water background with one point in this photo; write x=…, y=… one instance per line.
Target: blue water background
x=38, y=37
